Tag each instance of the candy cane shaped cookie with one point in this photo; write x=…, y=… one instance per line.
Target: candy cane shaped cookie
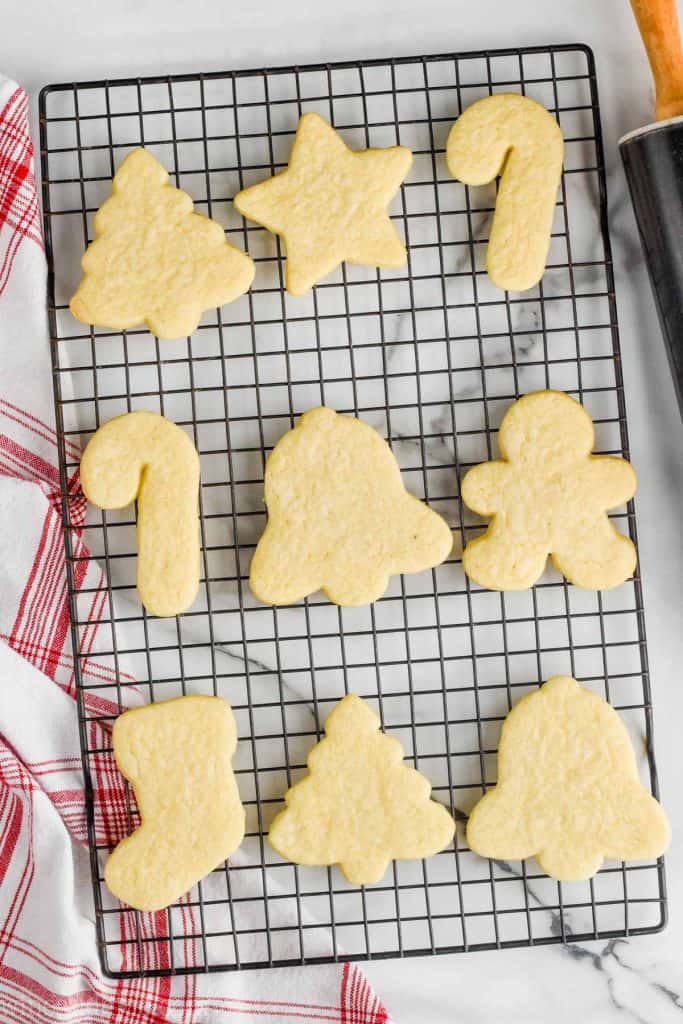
x=144, y=455
x=515, y=137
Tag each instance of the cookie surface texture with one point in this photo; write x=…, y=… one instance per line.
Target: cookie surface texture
x=516, y=137
x=361, y=805
x=330, y=204
x=144, y=455
x=568, y=790
x=339, y=517
x=154, y=260
x=177, y=756
x=548, y=496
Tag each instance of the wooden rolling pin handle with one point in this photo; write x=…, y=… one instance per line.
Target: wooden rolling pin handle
x=658, y=24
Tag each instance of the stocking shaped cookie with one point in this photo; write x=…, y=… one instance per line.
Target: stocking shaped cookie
x=339, y=518
x=568, y=790
x=548, y=497
x=360, y=806
x=176, y=754
x=153, y=259
x=144, y=455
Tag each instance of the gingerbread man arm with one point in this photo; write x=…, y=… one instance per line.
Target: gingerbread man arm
x=482, y=486
x=609, y=480
x=502, y=559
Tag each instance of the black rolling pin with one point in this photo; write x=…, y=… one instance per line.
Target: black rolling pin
x=653, y=161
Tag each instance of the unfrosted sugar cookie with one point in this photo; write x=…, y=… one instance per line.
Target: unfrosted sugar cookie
x=145, y=456
x=361, y=805
x=177, y=756
x=548, y=496
x=515, y=137
x=330, y=204
x=339, y=517
x=153, y=259
x=568, y=791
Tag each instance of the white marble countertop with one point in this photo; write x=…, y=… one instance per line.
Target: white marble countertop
x=42, y=41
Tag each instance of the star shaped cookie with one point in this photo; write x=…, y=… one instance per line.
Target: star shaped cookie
x=330, y=204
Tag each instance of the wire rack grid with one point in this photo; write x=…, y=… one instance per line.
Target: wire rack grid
x=431, y=356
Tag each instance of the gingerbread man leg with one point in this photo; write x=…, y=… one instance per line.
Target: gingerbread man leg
x=501, y=561
x=596, y=556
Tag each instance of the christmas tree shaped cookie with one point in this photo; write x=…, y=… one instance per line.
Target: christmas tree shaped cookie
x=549, y=496
x=360, y=806
x=330, y=204
x=176, y=754
x=339, y=517
x=153, y=259
x=568, y=790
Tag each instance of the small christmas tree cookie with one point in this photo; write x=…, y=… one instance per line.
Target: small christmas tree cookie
x=177, y=756
x=568, y=790
x=360, y=806
x=548, y=496
x=330, y=204
x=339, y=517
x=153, y=259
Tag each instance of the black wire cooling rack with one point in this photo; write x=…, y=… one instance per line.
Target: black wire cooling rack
x=431, y=355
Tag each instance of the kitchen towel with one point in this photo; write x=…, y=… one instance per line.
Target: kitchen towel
x=49, y=969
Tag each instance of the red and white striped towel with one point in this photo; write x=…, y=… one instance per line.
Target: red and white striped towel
x=49, y=969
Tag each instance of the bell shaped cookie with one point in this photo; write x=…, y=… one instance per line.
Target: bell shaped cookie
x=548, y=496
x=330, y=204
x=177, y=756
x=568, y=790
x=339, y=517
x=361, y=805
x=153, y=259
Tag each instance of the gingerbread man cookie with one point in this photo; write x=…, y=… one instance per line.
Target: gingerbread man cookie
x=549, y=496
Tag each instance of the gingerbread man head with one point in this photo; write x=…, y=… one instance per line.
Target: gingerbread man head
x=548, y=496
